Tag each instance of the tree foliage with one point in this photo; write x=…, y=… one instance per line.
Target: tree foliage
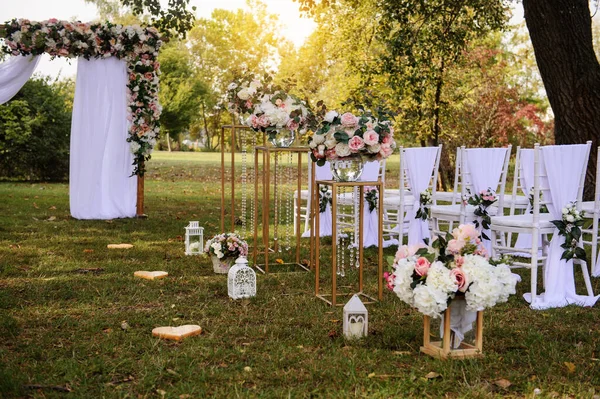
x=34, y=133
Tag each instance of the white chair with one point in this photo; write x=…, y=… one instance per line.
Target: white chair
x=477, y=169
x=559, y=174
x=592, y=212
x=419, y=168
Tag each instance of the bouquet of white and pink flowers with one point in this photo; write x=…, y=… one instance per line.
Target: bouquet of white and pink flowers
x=226, y=245
x=279, y=110
x=429, y=277
x=245, y=92
x=348, y=136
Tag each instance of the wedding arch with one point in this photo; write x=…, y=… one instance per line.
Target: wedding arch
x=116, y=110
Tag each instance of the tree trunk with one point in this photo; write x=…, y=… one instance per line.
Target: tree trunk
x=561, y=34
x=168, y=142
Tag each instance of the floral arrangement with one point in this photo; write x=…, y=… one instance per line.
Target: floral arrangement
x=245, y=92
x=429, y=278
x=137, y=45
x=346, y=135
x=482, y=202
x=425, y=201
x=543, y=207
x=372, y=198
x=324, y=198
x=226, y=245
x=279, y=110
x=570, y=227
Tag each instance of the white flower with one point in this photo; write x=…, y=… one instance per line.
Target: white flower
x=342, y=150
x=570, y=218
x=565, y=211
x=232, y=86
x=374, y=149
x=318, y=138
x=255, y=84
x=330, y=116
x=134, y=147
x=330, y=143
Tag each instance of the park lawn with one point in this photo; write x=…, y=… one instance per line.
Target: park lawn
x=63, y=296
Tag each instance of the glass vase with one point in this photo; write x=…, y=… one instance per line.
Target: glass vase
x=222, y=266
x=282, y=138
x=345, y=170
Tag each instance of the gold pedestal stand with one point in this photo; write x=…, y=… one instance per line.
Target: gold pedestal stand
x=315, y=239
x=265, y=204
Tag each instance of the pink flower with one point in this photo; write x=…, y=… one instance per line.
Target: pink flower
x=461, y=279
x=156, y=65
x=422, y=266
x=371, y=137
x=132, y=76
x=263, y=121
x=481, y=251
x=389, y=278
x=349, y=120
x=385, y=150
x=149, y=75
x=466, y=233
x=248, y=104
x=387, y=140
x=292, y=125
x=356, y=144
x=459, y=260
x=455, y=246
x=64, y=52
x=331, y=154
x=52, y=21
x=254, y=121
x=407, y=250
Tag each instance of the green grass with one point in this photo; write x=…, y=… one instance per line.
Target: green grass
x=60, y=326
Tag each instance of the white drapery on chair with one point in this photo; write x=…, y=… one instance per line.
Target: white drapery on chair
x=14, y=73
x=526, y=182
x=370, y=219
x=420, y=164
x=485, y=166
x=321, y=173
x=100, y=185
x=564, y=165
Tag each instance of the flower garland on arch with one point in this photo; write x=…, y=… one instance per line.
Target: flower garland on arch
x=138, y=46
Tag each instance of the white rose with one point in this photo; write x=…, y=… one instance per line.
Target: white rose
x=330, y=116
x=374, y=149
x=342, y=150
x=565, y=211
x=570, y=218
x=319, y=138
x=255, y=84
x=243, y=94
x=330, y=143
x=312, y=144
x=232, y=86
x=134, y=147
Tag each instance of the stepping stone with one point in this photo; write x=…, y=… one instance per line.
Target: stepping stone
x=150, y=275
x=119, y=246
x=177, y=333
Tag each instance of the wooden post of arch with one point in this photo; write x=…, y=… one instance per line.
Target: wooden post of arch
x=139, y=207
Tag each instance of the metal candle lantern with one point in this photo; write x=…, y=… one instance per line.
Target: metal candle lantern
x=194, y=239
x=356, y=318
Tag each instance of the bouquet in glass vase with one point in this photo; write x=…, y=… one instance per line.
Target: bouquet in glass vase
x=244, y=93
x=280, y=115
x=347, y=140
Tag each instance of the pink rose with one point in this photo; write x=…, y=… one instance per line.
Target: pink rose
x=371, y=137
x=389, y=278
x=156, y=65
x=331, y=154
x=292, y=124
x=263, y=121
x=349, y=120
x=422, y=266
x=356, y=144
x=385, y=150
x=254, y=121
x=248, y=104
x=461, y=279
x=455, y=246
x=52, y=21
x=459, y=260
x=481, y=251
x=387, y=140
x=64, y=52
x=149, y=75
x=466, y=233
x=405, y=251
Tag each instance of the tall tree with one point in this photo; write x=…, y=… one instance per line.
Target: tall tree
x=561, y=34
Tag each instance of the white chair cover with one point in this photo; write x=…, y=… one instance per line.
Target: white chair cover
x=322, y=173
x=526, y=180
x=370, y=219
x=100, y=185
x=419, y=165
x=14, y=73
x=485, y=167
x=564, y=165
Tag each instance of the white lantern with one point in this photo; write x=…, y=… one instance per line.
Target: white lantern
x=241, y=280
x=356, y=318
x=194, y=239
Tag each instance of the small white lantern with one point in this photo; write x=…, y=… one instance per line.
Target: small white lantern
x=194, y=239
x=241, y=280
x=356, y=318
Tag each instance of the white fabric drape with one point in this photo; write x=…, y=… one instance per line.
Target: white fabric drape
x=564, y=166
x=461, y=321
x=370, y=219
x=14, y=73
x=322, y=173
x=100, y=185
x=485, y=167
x=420, y=163
x=526, y=180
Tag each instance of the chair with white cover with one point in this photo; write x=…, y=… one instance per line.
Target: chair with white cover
x=478, y=169
x=419, y=168
x=559, y=174
x=321, y=173
x=592, y=211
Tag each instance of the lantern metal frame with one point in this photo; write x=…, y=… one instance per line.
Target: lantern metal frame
x=241, y=273
x=352, y=310
x=193, y=229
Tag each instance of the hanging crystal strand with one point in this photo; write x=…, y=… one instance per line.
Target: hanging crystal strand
x=355, y=211
x=250, y=185
x=244, y=183
x=290, y=204
x=276, y=209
